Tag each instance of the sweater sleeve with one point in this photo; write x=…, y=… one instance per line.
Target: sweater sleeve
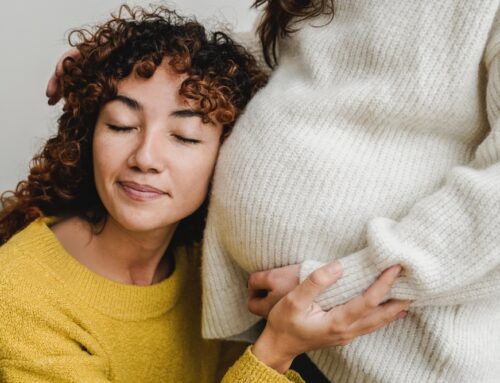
x=34, y=346
x=248, y=369
x=448, y=243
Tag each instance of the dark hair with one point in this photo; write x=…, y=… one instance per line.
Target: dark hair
x=279, y=17
x=221, y=79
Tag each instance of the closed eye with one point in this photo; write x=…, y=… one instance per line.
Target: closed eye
x=186, y=140
x=117, y=128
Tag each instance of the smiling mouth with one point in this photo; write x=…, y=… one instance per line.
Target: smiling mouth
x=140, y=192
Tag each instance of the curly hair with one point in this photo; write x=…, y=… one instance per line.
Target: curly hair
x=221, y=77
x=279, y=17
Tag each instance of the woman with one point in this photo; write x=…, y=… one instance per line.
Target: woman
x=100, y=283
x=383, y=149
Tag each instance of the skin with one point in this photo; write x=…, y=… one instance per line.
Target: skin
x=153, y=161
x=297, y=324
x=266, y=288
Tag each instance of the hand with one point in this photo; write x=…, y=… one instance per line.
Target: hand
x=53, y=91
x=297, y=324
x=266, y=288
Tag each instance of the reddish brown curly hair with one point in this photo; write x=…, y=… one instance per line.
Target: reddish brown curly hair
x=221, y=79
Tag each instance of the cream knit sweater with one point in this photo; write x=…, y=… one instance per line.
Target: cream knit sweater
x=376, y=141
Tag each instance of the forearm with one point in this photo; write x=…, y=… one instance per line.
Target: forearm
x=447, y=245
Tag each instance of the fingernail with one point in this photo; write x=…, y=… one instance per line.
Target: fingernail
x=402, y=314
x=334, y=268
x=395, y=270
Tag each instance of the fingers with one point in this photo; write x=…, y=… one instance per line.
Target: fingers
x=260, y=302
x=381, y=316
x=260, y=280
x=377, y=291
x=258, y=286
x=377, y=318
x=262, y=306
x=53, y=91
x=360, y=306
x=305, y=293
x=73, y=53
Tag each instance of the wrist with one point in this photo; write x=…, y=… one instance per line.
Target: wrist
x=265, y=350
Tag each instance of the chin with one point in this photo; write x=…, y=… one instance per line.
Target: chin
x=142, y=221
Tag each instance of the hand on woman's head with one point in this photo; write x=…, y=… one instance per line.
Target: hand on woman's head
x=53, y=91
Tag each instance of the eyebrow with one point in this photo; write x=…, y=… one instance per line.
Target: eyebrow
x=136, y=105
x=186, y=113
x=130, y=102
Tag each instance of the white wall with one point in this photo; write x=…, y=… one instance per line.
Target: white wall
x=33, y=35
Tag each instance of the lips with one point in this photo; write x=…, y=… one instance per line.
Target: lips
x=140, y=192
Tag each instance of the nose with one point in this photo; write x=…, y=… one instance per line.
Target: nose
x=147, y=156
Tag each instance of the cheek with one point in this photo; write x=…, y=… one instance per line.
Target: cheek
x=99, y=160
x=106, y=158
x=194, y=178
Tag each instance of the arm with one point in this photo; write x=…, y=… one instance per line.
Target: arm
x=35, y=346
x=448, y=244
x=296, y=324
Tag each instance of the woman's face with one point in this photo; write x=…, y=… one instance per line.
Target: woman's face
x=153, y=156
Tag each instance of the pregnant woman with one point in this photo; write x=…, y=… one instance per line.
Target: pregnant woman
x=376, y=142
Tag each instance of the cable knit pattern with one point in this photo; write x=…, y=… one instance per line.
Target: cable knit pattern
x=376, y=142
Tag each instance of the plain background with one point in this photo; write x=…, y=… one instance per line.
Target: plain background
x=33, y=35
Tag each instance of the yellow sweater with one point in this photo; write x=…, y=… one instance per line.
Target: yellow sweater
x=61, y=322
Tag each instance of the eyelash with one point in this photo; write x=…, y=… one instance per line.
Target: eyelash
x=126, y=129
x=186, y=140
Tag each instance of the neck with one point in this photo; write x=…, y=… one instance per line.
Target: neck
x=119, y=254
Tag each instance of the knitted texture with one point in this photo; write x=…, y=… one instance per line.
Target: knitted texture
x=60, y=322
x=260, y=372
x=376, y=142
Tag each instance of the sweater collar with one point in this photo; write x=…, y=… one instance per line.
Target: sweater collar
x=118, y=300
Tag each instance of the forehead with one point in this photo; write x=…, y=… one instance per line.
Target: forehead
x=159, y=96
x=164, y=84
